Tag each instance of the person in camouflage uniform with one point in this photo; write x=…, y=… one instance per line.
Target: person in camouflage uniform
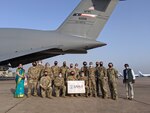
x=55, y=69
x=40, y=67
x=49, y=70
x=55, y=72
x=45, y=84
x=112, y=75
x=71, y=75
x=33, y=77
x=84, y=69
x=77, y=71
x=96, y=79
x=63, y=70
x=59, y=85
x=102, y=78
x=82, y=77
x=77, y=75
x=92, y=83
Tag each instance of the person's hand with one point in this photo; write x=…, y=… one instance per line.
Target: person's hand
x=133, y=81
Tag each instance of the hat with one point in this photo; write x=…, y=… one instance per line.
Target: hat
x=84, y=63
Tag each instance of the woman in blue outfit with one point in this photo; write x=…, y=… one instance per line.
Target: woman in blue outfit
x=20, y=76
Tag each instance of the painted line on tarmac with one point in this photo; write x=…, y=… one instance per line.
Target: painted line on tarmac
x=141, y=102
x=15, y=105
x=135, y=100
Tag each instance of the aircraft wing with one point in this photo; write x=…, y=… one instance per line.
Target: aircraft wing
x=28, y=56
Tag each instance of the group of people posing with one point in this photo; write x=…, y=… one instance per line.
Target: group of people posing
x=49, y=81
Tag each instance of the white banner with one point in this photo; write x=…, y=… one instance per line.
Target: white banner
x=76, y=87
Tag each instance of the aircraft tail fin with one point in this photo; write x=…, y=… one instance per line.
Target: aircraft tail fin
x=140, y=73
x=88, y=18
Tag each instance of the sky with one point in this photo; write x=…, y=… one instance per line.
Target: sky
x=127, y=32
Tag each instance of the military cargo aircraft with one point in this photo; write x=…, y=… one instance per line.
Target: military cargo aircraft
x=76, y=35
x=121, y=75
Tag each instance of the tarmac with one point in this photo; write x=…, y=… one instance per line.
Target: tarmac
x=140, y=104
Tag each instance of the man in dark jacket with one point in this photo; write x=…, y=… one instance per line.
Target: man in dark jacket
x=129, y=80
